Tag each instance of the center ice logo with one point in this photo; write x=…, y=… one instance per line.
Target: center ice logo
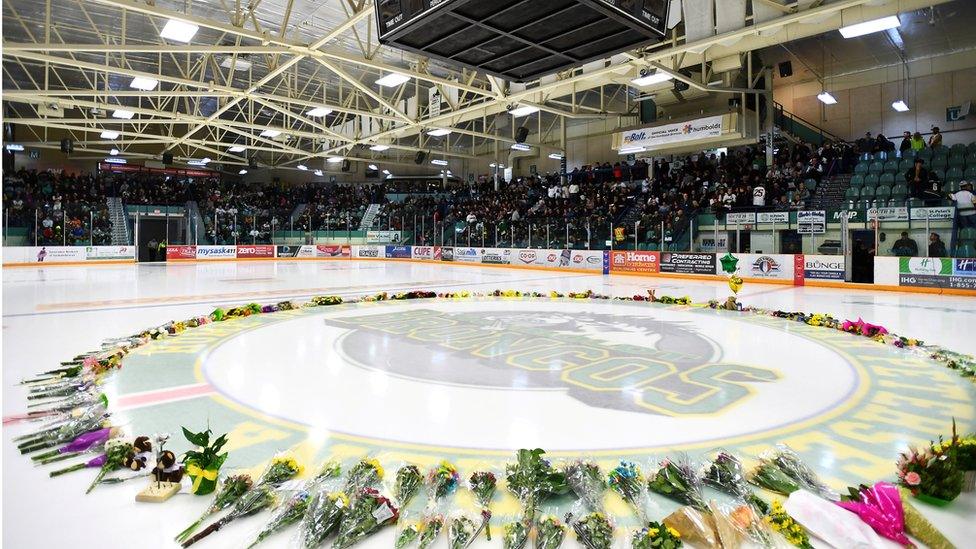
x=674, y=375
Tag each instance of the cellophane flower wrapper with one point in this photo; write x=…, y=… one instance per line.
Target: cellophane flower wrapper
x=696, y=528
x=737, y=522
x=726, y=473
x=462, y=529
x=258, y=498
x=628, y=481
x=407, y=530
x=515, y=534
x=919, y=527
x=769, y=476
x=280, y=470
x=587, y=481
x=290, y=510
x=594, y=530
x=483, y=484
x=790, y=463
x=827, y=521
x=328, y=471
x=406, y=483
x=431, y=526
x=678, y=479
x=364, y=474
x=442, y=481
x=231, y=490
x=655, y=536
x=782, y=523
x=879, y=506
x=532, y=478
x=367, y=514
x=550, y=531
x=327, y=505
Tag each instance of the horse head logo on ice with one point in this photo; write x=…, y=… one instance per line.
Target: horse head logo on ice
x=679, y=373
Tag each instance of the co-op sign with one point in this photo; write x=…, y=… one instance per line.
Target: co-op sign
x=672, y=133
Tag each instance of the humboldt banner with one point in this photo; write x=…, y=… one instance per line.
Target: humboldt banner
x=702, y=128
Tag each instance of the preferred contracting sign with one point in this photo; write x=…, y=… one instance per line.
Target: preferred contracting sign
x=703, y=128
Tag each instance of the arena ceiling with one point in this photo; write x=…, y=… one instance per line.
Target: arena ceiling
x=68, y=67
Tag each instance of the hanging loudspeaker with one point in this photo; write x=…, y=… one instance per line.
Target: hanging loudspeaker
x=167, y=158
x=346, y=165
x=521, y=134
x=786, y=69
x=420, y=158
x=67, y=146
x=252, y=164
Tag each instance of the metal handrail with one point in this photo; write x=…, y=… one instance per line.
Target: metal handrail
x=778, y=107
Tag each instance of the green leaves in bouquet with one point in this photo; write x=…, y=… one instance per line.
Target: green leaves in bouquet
x=209, y=456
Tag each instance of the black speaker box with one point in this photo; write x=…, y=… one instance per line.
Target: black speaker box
x=786, y=69
x=420, y=158
x=167, y=158
x=346, y=165
x=67, y=146
x=521, y=134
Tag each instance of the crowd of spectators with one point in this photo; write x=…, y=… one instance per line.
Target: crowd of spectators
x=58, y=208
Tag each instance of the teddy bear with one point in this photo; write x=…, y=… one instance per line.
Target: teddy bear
x=139, y=454
x=167, y=469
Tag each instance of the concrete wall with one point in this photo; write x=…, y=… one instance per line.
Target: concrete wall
x=864, y=100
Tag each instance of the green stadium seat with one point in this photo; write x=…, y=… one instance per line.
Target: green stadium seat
x=965, y=250
x=882, y=156
x=905, y=165
x=955, y=172
x=952, y=187
x=908, y=155
x=887, y=179
x=810, y=184
x=957, y=160
x=857, y=181
x=971, y=147
x=941, y=150
x=899, y=192
x=862, y=168
x=940, y=173
x=971, y=159
x=958, y=148
x=867, y=193
x=852, y=194
x=891, y=166
x=871, y=180
x=970, y=172
x=924, y=154
x=967, y=235
x=876, y=167
x=882, y=192
x=939, y=162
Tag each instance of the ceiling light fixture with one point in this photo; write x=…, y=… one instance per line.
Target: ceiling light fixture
x=112, y=160
x=629, y=150
x=868, y=27
x=334, y=159
x=523, y=111
x=372, y=167
x=900, y=106
x=386, y=172
x=319, y=111
x=302, y=167
x=826, y=98
x=439, y=132
x=114, y=152
x=270, y=133
x=650, y=79
x=379, y=148
x=178, y=31
x=439, y=162
x=556, y=156
x=143, y=83
x=110, y=134
x=521, y=147
x=122, y=113
x=392, y=80
x=15, y=147
x=240, y=64
x=318, y=173
x=236, y=149
x=242, y=172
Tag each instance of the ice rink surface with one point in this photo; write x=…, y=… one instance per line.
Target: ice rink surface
x=53, y=313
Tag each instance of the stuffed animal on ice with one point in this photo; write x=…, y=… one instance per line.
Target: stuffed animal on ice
x=167, y=469
x=139, y=455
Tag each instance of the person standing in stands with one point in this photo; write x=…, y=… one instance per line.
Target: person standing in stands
x=918, y=142
x=935, y=140
x=759, y=196
x=906, y=143
x=161, y=254
x=917, y=178
x=965, y=205
x=936, y=246
x=905, y=246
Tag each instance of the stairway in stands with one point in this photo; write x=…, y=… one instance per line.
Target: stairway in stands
x=830, y=192
x=796, y=129
x=120, y=221
x=369, y=217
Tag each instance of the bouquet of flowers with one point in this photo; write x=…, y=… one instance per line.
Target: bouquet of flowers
x=696, y=528
x=627, y=480
x=550, y=532
x=81, y=444
x=258, y=498
x=367, y=514
x=322, y=516
x=408, y=482
x=678, y=481
x=203, y=465
x=461, y=531
x=407, y=533
x=725, y=473
x=767, y=475
x=325, y=300
x=790, y=463
x=587, y=482
x=515, y=535
x=655, y=536
x=430, y=528
x=328, y=470
x=594, y=531
x=279, y=471
x=442, y=480
x=532, y=478
x=290, y=512
x=232, y=489
x=116, y=452
x=780, y=521
x=739, y=521
x=482, y=484
x=364, y=474
x=931, y=475
x=880, y=507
